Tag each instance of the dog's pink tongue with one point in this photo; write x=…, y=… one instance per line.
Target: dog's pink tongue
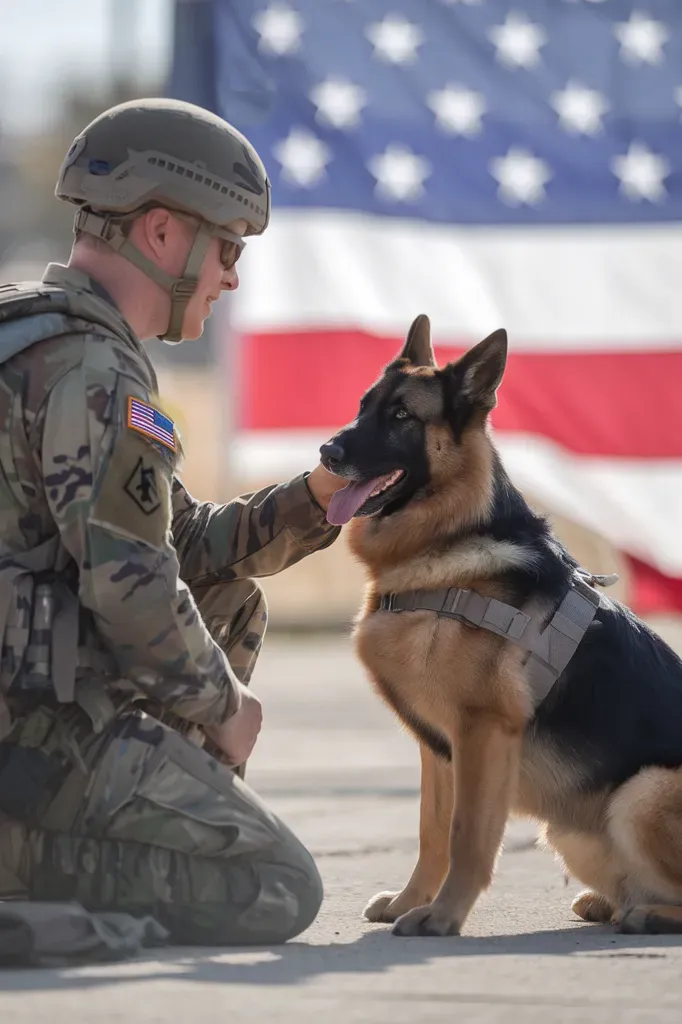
x=345, y=503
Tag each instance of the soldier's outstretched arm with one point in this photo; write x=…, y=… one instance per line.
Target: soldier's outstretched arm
x=108, y=467
x=257, y=534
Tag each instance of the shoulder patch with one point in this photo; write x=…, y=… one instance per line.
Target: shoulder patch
x=147, y=420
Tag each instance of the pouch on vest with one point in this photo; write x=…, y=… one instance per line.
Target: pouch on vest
x=38, y=610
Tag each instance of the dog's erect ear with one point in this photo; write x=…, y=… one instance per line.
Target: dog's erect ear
x=480, y=370
x=417, y=347
x=470, y=384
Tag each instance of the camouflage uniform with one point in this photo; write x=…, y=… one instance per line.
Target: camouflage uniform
x=106, y=805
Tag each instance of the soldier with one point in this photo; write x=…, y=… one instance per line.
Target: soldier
x=124, y=602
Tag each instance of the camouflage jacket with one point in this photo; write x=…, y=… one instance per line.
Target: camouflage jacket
x=88, y=462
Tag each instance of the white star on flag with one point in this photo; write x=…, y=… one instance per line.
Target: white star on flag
x=641, y=173
x=580, y=109
x=641, y=39
x=458, y=110
x=279, y=28
x=395, y=39
x=399, y=173
x=518, y=41
x=522, y=177
x=338, y=101
x=303, y=157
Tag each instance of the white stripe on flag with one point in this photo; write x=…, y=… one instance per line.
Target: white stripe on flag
x=553, y=288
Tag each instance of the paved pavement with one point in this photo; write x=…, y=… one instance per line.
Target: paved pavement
x=333, y=762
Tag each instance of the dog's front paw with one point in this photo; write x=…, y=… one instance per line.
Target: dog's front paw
x=387, y=907
x=427, y=920
x=379, y=908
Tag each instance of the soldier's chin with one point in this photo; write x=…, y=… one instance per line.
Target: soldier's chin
x=193, y=326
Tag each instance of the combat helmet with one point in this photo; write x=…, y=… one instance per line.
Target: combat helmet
x=163, y=152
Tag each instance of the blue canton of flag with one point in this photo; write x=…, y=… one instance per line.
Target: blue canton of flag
x=460, y=111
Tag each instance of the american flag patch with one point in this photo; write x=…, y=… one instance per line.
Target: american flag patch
x=151, y=422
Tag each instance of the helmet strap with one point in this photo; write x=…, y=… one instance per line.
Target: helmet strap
x=181, y=289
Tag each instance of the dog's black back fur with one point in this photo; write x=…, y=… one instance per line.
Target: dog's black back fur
x=618, y=705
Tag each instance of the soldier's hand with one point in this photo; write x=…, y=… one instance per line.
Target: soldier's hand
x=323, y=484
x=237, y=736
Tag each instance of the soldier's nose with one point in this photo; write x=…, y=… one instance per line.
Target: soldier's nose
x=332, y=455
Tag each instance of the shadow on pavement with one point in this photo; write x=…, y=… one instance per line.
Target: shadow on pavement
x=373, y=952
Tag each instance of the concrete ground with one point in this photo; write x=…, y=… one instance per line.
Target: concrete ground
x=335, y=765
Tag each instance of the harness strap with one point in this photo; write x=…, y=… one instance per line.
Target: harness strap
x=551, y=647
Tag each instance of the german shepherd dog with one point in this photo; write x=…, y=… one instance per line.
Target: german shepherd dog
x=597, y=761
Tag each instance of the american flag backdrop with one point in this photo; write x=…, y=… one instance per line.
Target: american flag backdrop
x=489, y=163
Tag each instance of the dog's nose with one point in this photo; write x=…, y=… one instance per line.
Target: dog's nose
x=332, y=454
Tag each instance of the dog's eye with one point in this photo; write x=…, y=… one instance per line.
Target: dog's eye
x=401, y=414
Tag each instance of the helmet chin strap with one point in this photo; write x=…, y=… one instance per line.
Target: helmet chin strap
x=181, y=289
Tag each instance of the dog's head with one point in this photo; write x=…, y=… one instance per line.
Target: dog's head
x=414, y=426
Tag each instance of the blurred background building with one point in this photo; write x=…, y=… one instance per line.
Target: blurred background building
x=490, y=163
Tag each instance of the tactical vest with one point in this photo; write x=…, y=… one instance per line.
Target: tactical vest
x=30, y=313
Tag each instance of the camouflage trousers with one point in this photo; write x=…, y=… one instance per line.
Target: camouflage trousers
x=139, y=819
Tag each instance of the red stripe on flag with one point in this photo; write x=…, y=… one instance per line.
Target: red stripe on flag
x=314, y=379
x=652, y=593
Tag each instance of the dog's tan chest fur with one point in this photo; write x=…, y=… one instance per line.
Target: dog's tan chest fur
x=401, y=655
x=433, y=669
x=436, y=668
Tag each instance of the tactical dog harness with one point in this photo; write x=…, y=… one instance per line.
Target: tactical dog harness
x=551, y=646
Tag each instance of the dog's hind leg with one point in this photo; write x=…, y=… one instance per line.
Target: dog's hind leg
x=435, y=815
x=591, y=906
x=592, y=860
x=645, y=825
